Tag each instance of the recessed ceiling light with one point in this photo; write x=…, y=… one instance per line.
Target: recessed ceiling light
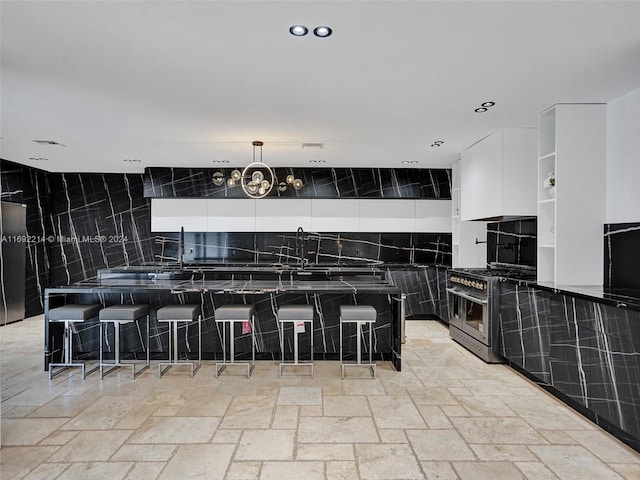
x=317, y=161
x=220, y=161
x=409, y=161
x=480, y=110
x=488, y=104
x=437, y=143
x=132, y=160
x=298, y=30
x=322, y=31
x=38, y=159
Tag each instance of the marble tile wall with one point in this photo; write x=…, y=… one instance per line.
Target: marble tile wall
x=318, y=183
x=513, y=241
x=425, y=291
x=622, y=256
x=30, y=186
x=582, y=349
x=83, y=222
x=320, y=248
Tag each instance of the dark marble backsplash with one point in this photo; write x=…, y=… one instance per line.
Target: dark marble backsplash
x=431, y=183
x=513, y=241
x=319, y=248
x=622, y=256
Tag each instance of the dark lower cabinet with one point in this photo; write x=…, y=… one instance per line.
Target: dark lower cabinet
x=585, y=352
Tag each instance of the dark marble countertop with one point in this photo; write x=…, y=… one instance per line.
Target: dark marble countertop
x=352, y=285
x=621, y=298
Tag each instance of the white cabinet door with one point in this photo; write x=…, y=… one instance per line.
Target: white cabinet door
x=335, y=215
x=283, y=214
x=433, y=216
x=231, y=215
x=171, y=214
x=481, y=179
x=387, y=215
x=498, y=175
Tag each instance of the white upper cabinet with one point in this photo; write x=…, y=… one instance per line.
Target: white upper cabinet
x=283, y=215
x=498, y=176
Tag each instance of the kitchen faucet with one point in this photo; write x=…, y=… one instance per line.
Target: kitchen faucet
x=300, y=246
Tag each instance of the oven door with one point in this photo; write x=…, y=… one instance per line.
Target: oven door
x=469, y=314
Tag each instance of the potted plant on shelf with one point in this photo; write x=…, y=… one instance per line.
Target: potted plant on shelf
x=550, y=184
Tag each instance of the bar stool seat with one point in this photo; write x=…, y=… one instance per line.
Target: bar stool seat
x=360, y=315
x=298, y=316
x=120, y=315
x=173, y=315
x=70, y=315
x=232, y=314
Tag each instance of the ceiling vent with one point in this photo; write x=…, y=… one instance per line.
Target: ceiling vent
x=49, y=142
x=312, y=145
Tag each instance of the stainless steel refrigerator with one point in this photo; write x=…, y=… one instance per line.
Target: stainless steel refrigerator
x=13, y=232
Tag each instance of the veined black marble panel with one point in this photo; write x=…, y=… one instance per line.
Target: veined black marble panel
x=586, y=350
x=513, y=242
x=424, y=289
x=98, y=221
x=318, y=183
x=30, y=186
x=319, y=248
x=622, y=256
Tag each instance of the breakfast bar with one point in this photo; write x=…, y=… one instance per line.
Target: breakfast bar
x=325, y=291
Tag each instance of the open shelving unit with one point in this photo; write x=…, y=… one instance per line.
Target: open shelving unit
x=572, y=146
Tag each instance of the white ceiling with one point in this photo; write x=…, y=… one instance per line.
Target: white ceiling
x=184, y=83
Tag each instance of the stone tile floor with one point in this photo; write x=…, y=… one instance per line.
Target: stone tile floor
x=447, y=415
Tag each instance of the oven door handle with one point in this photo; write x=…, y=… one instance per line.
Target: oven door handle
x=468, y=297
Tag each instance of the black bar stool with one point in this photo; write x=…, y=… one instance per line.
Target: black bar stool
x=70, y=315
x=120, y=315
x=174, y=314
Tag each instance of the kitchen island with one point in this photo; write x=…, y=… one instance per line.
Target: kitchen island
x=267, y=287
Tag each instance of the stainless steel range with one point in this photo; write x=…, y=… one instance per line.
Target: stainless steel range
x=473, y=295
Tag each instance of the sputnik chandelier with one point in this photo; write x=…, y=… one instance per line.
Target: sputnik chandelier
x=257, y=179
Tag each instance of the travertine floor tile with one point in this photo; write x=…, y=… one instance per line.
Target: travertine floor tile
x=487, y=471
x=536, y=471
x=174, y=430
x=439, y=471
x=341, y=470
x=145, y=471
x=93, y=470
x=91, y=446
x=337, y=430
x=292, y=471
x=28, y=431
x=571, y=462
x=346, y=406
x=244, y=471
x=440, y=445
x=45, y=471
x=503, y=452
x=199, y=461
x=405, y=415
x=387, y=462
x=16, y=462
x=249, y=412
x=329, y=451
x=630, y=471
x=496, y=430
x=604, y=447
x=266, y=445
x=144, y=453
x=300, y=396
